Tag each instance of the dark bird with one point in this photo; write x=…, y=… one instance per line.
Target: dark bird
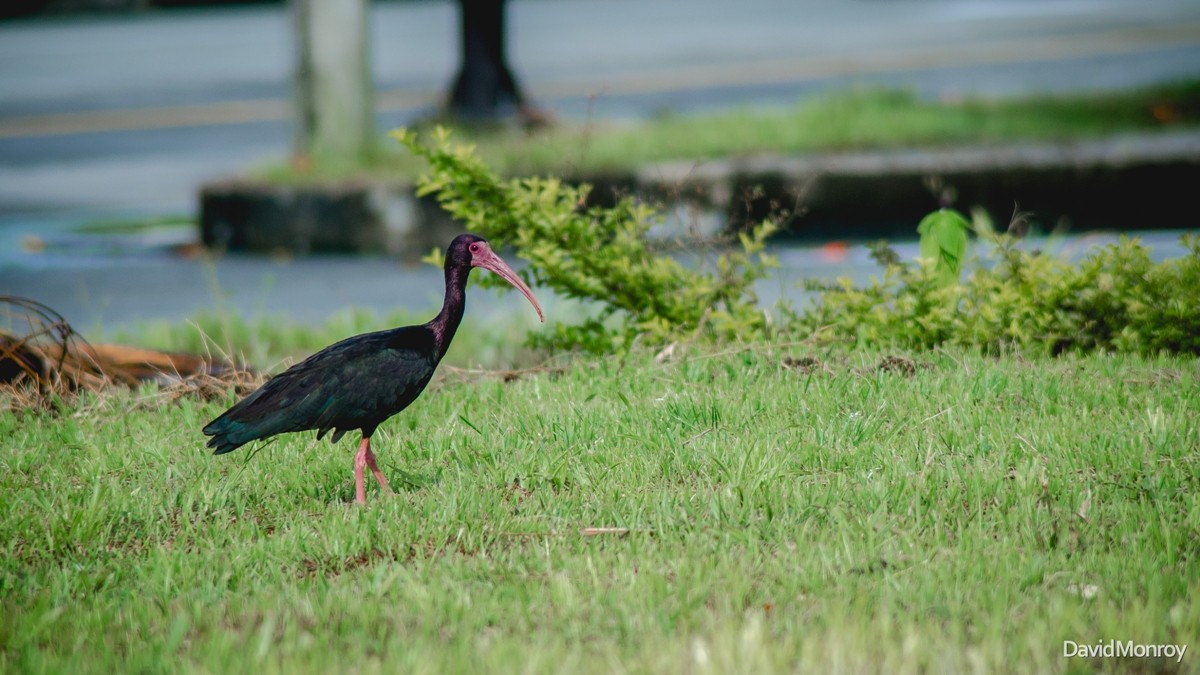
x=363, y=380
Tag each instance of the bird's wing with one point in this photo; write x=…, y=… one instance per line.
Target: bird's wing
x=356, y=382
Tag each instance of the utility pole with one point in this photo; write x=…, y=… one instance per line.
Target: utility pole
x=334, y=96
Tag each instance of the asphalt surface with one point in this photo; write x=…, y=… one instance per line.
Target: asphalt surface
x=124, y=116
x=125, y=289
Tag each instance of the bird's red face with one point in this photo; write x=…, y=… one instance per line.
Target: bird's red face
x=482, y=256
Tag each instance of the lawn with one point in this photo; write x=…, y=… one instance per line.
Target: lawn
x=847, y=119
x=780, y=509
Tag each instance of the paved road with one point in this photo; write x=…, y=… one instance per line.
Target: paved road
x=125, y=289
x=130, y=112
x=126, y=115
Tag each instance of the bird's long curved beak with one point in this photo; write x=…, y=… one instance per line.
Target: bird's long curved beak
x=488, y=260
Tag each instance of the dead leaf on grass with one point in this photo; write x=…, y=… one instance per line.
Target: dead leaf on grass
x=805, y=365
x=900, y=365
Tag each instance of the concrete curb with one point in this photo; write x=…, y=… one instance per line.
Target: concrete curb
x=1125, y=182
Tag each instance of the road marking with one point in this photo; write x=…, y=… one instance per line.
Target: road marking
x=1113, y=42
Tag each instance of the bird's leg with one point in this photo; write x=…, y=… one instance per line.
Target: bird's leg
x=360, y=461
x=383, y=484
x=366, y=458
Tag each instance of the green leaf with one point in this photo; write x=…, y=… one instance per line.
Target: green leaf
x=944, y=241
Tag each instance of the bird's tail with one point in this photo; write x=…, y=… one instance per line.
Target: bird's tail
x=227, y=435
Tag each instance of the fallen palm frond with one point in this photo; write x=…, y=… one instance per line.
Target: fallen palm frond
x=42, y=356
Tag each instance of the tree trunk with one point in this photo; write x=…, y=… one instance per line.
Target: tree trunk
x=334, y=98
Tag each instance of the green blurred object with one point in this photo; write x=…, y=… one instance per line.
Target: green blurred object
x=944, y=240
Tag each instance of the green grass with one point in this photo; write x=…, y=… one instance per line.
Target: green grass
x=855, y=519
x=134, y=225
x=839, y=120
x=269, y=340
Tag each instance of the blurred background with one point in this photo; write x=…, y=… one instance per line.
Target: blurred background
x=113, y=113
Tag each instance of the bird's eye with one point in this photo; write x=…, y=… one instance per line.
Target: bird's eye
x=475, y=247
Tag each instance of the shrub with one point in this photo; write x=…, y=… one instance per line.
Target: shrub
x=1116, y=299
x=598, y=255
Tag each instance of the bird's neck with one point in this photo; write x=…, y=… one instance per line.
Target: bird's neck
x=445, y=324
